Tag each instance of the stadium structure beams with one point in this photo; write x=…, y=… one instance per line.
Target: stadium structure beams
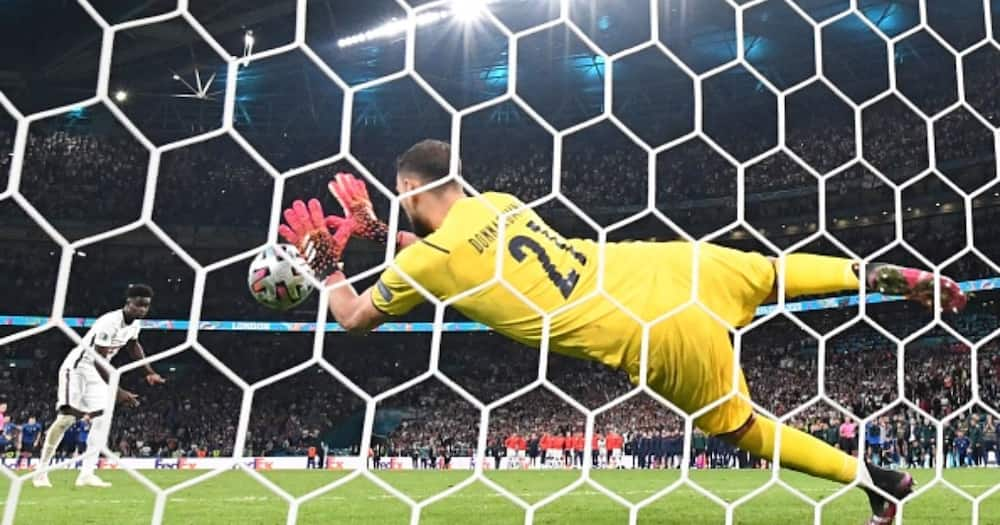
x=56, y=65
x=170, y=40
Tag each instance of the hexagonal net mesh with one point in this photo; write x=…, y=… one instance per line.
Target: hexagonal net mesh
x=902, y=135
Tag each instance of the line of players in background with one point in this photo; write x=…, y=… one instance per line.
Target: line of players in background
x=22, y=442
x=896, y=441
x=559, y=450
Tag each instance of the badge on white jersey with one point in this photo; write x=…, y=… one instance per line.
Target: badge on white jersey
x=103, y=339
x=111, y=331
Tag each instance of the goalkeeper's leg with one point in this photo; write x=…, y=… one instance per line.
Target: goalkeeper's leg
x=735, y=422
x=799, y=450
x=808, y=274
x=805, y=453
x=694, y=376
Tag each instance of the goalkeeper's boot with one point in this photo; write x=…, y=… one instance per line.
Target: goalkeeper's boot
x=91, y=480
x=895, y=483
x=916, y=285
x=41, y=480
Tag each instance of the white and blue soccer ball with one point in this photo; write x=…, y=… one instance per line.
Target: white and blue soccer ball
x=274, y=282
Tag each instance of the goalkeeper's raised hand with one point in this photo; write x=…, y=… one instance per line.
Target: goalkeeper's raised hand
x=352, y=194
x=306, y=228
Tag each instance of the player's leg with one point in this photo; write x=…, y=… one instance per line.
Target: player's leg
x=804, y=453
x=69, y=391
x=53, y=437
x=96, y=440
x=696, y=375
x=809, y=274
x=799, y=450
x=94, y=397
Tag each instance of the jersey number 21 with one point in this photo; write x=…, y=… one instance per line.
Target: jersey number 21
x=519, y=247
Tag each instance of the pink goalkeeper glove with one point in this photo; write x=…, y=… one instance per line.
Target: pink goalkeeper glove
x=352, y=194
x=307, y=230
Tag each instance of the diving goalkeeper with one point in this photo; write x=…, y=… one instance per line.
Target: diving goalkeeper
x=691, y=362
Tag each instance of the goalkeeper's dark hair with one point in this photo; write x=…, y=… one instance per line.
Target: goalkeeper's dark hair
x=139, y=290
x=428, y=159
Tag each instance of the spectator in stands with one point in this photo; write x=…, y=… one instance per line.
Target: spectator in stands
x=848, y=436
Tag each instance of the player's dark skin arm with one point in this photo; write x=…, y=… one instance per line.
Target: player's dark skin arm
x=124, y=396
x=356, y=313
x=135, y=350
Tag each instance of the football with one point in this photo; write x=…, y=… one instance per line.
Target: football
x=275, y=282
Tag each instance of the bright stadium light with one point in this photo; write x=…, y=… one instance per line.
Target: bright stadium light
x=466, y=11
x=462, y=10
x=395, y=27
x=121, y=95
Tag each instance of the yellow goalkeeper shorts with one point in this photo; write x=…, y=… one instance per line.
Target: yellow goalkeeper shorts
x=691, y=359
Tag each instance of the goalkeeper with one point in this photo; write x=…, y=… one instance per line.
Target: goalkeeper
x=454, y=249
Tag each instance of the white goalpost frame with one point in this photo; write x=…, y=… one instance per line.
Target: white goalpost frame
x=103, y=97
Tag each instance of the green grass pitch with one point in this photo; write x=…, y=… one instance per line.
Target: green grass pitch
x=238, y=499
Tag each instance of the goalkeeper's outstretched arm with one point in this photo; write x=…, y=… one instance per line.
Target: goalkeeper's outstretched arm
x=355, y=313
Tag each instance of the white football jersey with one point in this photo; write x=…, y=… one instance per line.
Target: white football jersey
x=109, y=331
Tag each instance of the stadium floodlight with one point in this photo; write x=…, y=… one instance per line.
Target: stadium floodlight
x=461, y=10
x=395, y=27
x=467, y=11
x=121, y=95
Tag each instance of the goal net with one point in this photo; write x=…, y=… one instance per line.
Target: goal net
x=864, y=129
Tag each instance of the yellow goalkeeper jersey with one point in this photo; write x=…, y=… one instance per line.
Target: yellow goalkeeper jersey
x=553, y=274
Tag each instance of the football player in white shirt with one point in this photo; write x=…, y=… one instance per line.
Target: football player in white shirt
x=83, y=382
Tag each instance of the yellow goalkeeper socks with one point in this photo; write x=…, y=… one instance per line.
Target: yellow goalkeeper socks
x=799, y=451
x=808, y=274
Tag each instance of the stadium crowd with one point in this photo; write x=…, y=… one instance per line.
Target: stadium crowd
x=196, y=183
